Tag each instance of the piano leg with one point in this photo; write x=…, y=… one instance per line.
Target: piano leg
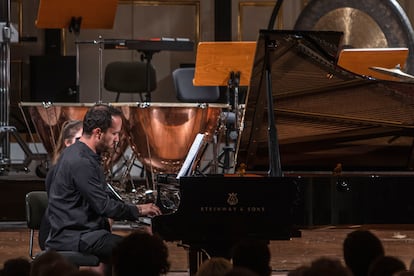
x=195, y=258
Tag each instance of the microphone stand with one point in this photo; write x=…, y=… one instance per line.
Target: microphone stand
x=232, y=86
x=74, y=27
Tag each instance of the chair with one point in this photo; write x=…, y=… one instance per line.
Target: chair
x=130, y=77
x=36, y=204
x=188, y=93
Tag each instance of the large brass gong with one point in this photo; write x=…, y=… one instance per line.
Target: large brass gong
x=365, y=24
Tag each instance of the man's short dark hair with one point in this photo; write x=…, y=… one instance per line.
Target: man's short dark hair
x=99, y=116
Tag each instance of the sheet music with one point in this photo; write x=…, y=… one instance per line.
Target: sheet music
x=145, y=220
x=114, y=193
x=192, y=153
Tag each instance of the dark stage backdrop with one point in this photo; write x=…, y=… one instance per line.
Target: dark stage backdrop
x=53, y=78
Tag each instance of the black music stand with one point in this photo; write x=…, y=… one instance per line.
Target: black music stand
x=74, y=15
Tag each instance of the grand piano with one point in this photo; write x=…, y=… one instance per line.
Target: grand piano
x=216, y=212
x=342, y=140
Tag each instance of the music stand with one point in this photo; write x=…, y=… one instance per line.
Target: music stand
x=58, y=14
x=74, y=14
x=360, y=60
x=216, y=60
x=225, y=64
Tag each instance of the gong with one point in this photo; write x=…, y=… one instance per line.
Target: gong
x=365, y=24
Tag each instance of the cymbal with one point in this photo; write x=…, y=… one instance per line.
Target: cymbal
x=395, y=72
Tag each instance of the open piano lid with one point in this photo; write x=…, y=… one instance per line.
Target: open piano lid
x=325, y=115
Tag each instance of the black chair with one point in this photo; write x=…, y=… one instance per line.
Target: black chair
x=36, y=204
x=188, y=93
x=130, y=77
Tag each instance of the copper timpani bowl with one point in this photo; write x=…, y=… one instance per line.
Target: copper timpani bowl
x=162, y=133
x=48, y=119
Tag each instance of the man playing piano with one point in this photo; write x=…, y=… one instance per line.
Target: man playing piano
x=79, y=204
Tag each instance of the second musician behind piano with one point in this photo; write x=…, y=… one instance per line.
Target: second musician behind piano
x=79, y=205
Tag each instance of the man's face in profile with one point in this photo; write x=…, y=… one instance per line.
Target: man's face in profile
x=110, y=138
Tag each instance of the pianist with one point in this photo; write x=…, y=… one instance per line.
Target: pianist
x=79, y=205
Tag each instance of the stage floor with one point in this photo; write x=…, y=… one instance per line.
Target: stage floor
x=320, y=241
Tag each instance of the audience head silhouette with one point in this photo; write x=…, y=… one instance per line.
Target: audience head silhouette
x=254, y=255
x=326, y=267
x=386, y=266
x=299, y=271
x=216, y=266
x=140, y=253
x=404, y=273
x=86, y=272
x=360, y=249
x=241, y=271
x=16, y=267
x=51, y=263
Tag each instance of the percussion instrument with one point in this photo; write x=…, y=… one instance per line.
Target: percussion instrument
x=162, y=133
x=48, y=119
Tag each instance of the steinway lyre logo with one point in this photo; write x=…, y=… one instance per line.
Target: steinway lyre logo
x=232, y=199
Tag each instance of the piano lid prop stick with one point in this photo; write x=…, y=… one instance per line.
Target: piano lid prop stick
x=275, y=168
